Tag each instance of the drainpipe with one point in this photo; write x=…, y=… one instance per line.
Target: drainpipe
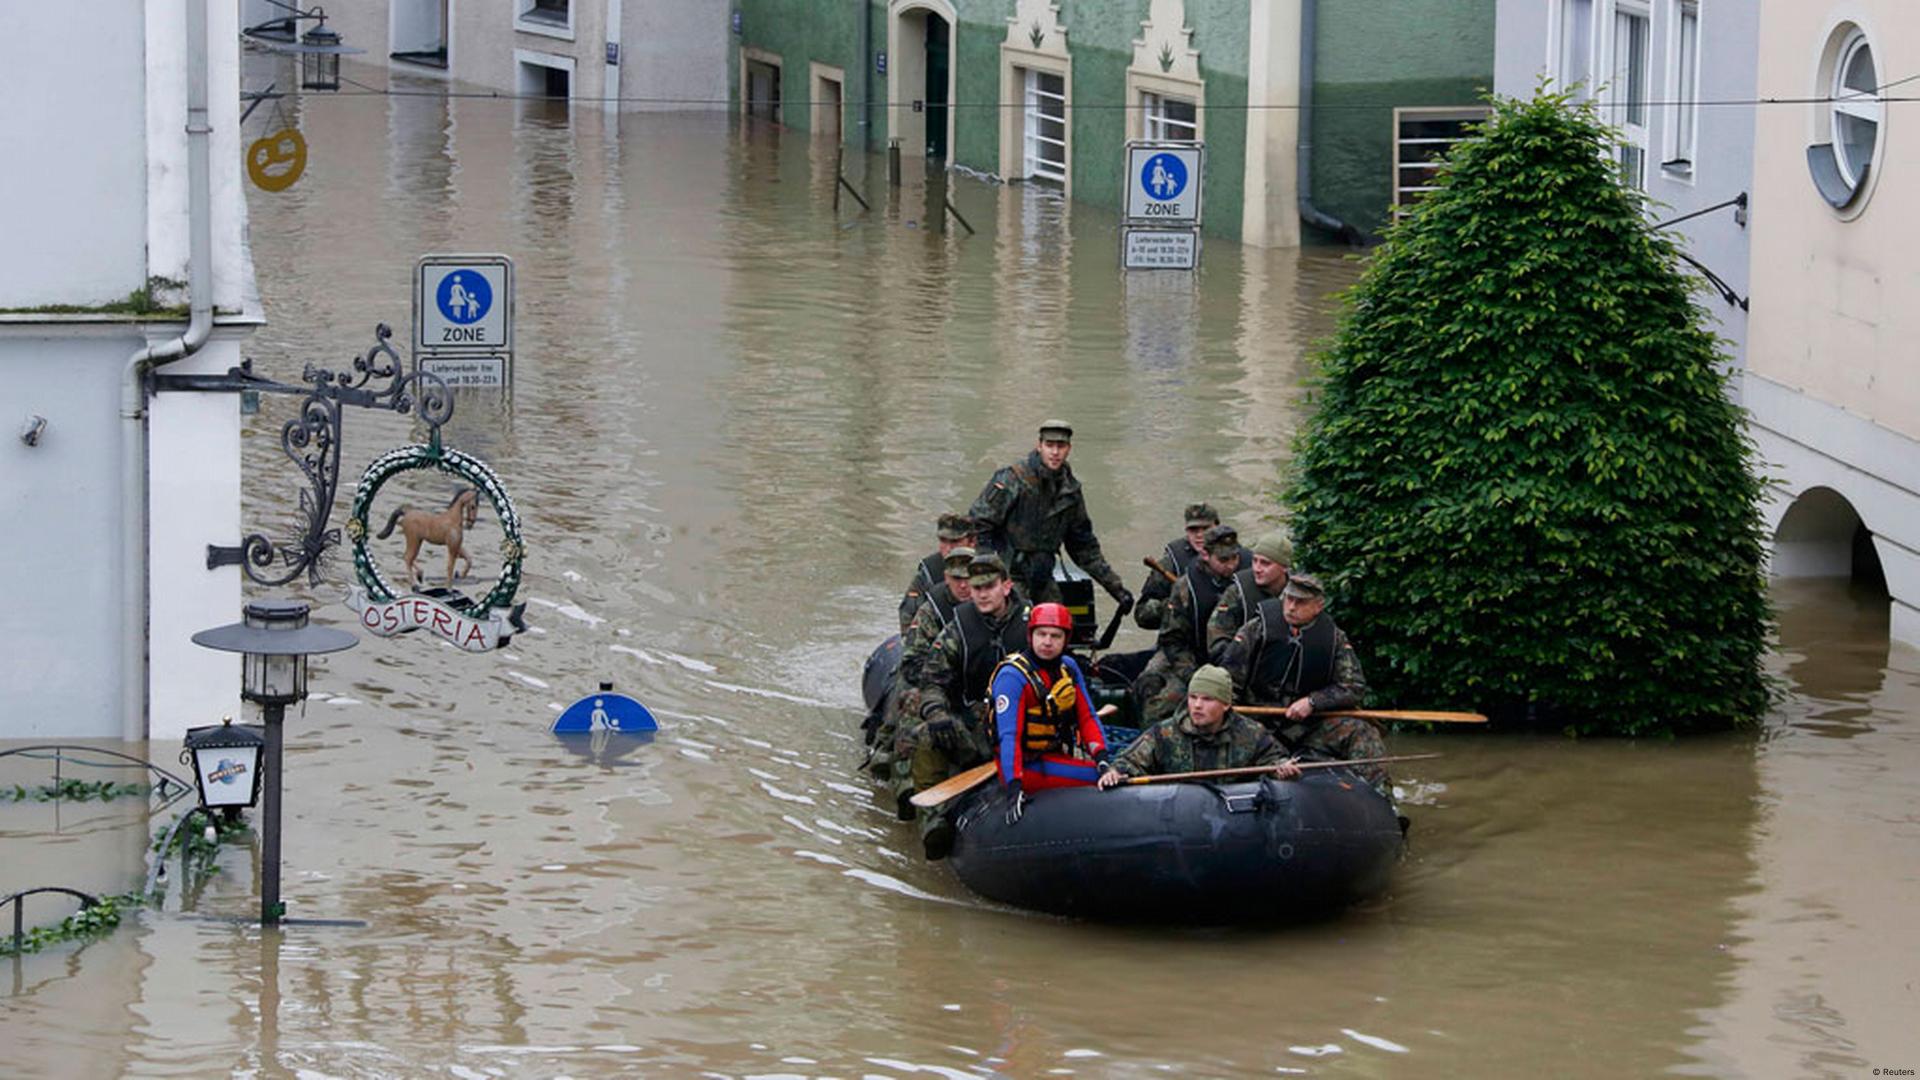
x=133, y=385
x=866, y=75
x=1309, y=213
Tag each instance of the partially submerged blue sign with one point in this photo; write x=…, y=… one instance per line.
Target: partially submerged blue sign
x=605, y=711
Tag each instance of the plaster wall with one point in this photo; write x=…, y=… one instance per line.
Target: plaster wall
x=72, y=234
x=166, y=147
x=676, y=49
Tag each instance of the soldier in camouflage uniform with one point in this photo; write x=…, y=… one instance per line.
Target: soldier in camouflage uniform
x=1151, y=611
x=1032, y=507
x=953, y=734
x=903, y=707
x=1291, y=655
x=1183, y=637
x=951, y=531
x=1272, y=556
x=1208, y=734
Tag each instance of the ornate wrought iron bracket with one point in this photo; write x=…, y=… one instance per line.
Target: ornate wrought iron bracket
x=312, y=441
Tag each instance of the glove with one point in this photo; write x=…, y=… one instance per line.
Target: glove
x=943, y=733
x=1124, y=598
x=1019, y=805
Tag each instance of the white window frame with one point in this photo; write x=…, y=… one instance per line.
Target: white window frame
x=1405, y=194
x=1034, y=163
x=1570, y=45
x=1157, y=125
x=1680, y=151
x=1616, y=106
x=524, y=8
x=1852, y=103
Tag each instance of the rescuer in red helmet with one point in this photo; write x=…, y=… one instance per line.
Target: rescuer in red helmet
x=1043, y=713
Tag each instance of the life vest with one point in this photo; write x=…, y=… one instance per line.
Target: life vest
x=1050, y=723
x=1290, y=667
x=982, y=647
x=944, y=605
x=933, y=570
x=1206, y=595
x=1250, y=594
x=1179, y=554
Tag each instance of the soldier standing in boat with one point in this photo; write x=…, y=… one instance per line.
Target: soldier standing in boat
x=1208, y=734
x=1291, y=655
x=1151, y=611
x=1183, y=637
x=1032, y=507
x=950, y=531
x=953, y=734
x=1272, y=558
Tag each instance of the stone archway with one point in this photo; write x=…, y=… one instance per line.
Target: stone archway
x=1821, y=535
x=908, y=67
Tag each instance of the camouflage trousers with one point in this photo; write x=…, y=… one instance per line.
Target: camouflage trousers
x=1161, y=689
x=902, y=710
x=918, y=764
x=1342, y=739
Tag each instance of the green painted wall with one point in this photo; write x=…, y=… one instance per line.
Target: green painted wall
x=1101, y=33
x=1372, y=57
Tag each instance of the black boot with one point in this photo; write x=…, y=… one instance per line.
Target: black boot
x=938, y=840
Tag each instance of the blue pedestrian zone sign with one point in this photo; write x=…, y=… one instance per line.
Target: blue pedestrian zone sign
x=605, y=711
x=464, y=297
x=1164, y=177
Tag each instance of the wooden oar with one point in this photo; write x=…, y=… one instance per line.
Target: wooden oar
x=1418, y=715
x=955, y=786
x=1158, y=569
x=1252, y=769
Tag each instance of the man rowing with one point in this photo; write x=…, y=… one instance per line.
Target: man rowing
x=1207, y=734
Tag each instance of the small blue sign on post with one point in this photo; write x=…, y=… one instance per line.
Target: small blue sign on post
x=736, y=20
x=605, y=711
x=880, y=61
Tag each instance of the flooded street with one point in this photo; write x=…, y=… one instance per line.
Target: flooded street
x=734, y=419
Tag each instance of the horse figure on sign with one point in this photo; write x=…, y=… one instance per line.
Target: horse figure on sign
x=447, y=528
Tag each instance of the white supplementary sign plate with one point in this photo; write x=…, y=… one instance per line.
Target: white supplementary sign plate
x=1163, y=182
x=463, y=304
x=457, y=371
x=1159, y=249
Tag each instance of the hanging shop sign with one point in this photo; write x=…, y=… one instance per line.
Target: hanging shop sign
x=275, y=161
x=474, y=625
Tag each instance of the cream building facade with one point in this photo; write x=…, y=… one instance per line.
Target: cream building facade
x=1831, y=382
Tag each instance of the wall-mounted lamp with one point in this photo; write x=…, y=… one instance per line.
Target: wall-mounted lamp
x=35, y=427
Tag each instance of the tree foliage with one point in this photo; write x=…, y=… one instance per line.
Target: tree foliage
x=1524, y=481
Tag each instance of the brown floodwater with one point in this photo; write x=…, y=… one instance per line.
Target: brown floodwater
x=735, y=415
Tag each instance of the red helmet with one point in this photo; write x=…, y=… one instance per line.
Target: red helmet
x=1055, y=615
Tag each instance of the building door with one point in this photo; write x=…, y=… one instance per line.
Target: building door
x=939, y=42
x=763, y=90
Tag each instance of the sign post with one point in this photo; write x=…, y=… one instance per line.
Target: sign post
x=1162, y=227
x=463, y=318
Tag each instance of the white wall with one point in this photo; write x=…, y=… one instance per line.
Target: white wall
x=675, y=49
x=74, y=150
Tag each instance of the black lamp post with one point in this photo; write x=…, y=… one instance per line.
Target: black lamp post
x=274, y=641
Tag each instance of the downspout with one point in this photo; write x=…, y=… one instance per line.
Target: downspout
x=866, y=75
x=1309, y=213
x=133, y=385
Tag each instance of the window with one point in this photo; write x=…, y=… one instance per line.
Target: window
x=1045, y=126
x=1625, y=95
x=554, y=18
x=1683, y=89
x=1847, y=124
x=1422, y=139
x=1575, y=53
x=1168, y=118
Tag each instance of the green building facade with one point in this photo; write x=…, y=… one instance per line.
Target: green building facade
x=1051, y=90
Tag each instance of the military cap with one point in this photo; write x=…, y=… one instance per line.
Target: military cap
x=985, y=569
x=1212, y=681
x=1056, y=430
x=1304, y=587
x=1277, y=546
x=955, y=527
x=1223, y=541
x=958, y=561
x=1202, y=514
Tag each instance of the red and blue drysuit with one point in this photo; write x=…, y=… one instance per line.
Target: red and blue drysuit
x=1040, y=712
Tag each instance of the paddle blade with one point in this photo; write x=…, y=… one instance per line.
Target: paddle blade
x=955, y=786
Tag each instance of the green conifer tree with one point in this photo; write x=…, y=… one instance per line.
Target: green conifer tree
x=1524, y=481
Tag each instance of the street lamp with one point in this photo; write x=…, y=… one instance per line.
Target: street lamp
x=226, y=765
x=320, y=58
x=274, y=642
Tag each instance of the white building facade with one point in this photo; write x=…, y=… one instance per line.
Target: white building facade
x=1649, y=65
x=618, y=55
x=125, y=255
x=1833, y=375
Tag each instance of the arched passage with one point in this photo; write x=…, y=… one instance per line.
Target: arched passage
x=920, y=69
x=1822, y=536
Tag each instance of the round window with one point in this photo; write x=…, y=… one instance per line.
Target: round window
x=1856, y=107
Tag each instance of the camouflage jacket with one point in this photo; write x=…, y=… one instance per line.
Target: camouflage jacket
x=1183, y=651
x=928, y=575
x=1173, y=746
x=1026, y=515
x=920, y=635
x=1151, y=610
x=1346, y=688
x=1232, y=611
